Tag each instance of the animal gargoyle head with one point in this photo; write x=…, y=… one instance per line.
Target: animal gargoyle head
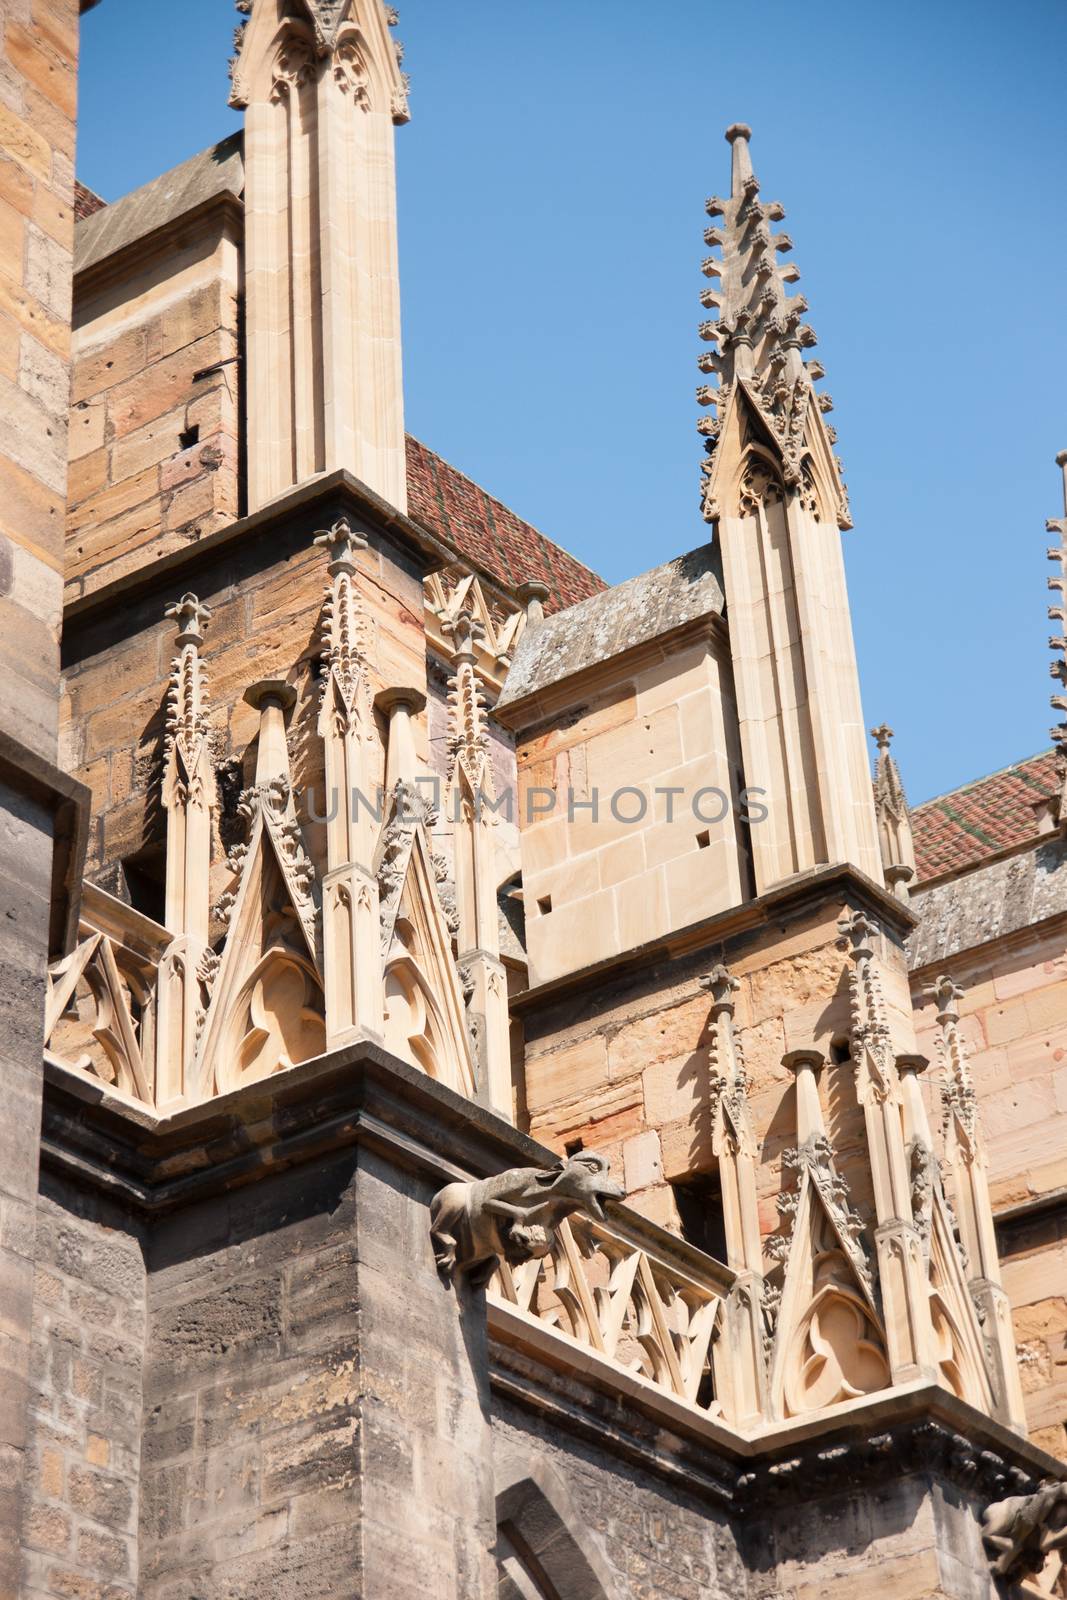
x=582, y=1183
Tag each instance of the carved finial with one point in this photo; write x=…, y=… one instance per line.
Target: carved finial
x=187, y=699
x=761, y=339
x=722, y=986
x=894, y=818
x=465, y=630
x=468, y=735
x=1057, y=613
x=192, y=617
x=345, y=638
x=341, y=542
x=948, y=995
x=958, y=1093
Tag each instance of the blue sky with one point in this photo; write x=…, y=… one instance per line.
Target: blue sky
x=551, y=210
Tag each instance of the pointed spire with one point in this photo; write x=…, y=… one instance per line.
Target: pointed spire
x=468, y=741
x=894, y=817
x=759, y=329
x=958, y=1091
x=1058, y=641
x=187, y=700
x=346, y=642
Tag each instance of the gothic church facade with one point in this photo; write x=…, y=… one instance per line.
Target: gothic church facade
x=498, y=1102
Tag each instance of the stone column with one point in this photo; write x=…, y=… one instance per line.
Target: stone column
x=351, y=934
x=398, y=705
x=970, y=1183
x=322, y=89
x=471, y=790
x=189, y=799
x=902, y=1270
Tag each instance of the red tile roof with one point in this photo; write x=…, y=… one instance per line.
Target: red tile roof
x=85, y=201
x=484, y=532
x=982, y=819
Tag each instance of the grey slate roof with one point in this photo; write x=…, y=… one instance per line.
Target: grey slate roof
x=214, y=171
x=608, y=624
x=989, y=902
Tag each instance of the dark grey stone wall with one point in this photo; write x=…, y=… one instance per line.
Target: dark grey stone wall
x=658, y=1542
x=314, y=1415
x=907, y=1536
x=83, y=1460
x=25, y=883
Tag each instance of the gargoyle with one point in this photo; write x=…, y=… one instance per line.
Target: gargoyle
x=1024, y=1531
x=514, y=1215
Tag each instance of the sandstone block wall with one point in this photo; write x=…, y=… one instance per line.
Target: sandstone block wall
x=624, y=1067
x=154, y=423
x=596, y=884
x=266, y=598
x=1014, y=1018
x=38, y=90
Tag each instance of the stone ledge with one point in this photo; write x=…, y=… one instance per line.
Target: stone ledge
x=793, y=897
x=357, y=1095
x=67, y=802
x=916, y=1428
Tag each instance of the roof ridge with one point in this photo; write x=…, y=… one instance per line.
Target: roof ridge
x=972, y=783
x=510, y=509
x=197, y=155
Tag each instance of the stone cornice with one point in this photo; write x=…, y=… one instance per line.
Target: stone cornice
x=916, y=1428
x=215, y=213
x=792, y=897
x=528, y=715
x=359, y=1094
x=67, y=801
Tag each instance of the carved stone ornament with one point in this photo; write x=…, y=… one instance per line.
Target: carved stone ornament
x=513, y=1216
x=1025, y=1536
x=760, y=336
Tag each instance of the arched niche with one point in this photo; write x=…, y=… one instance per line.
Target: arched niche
x=544, y=1549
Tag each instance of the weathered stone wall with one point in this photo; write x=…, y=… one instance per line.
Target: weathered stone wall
x=658, y=1542
x=907, y=1539
x=1033, y=1255
x=153, y=446
x=38, y=89
x=252, y=1451
x=618, y=871
x=25, y=877
x=266, y=595
x=314, y=1417
x=1013, y=1016
x=624, y=1065
x=38, y=92
x=82, y=1479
